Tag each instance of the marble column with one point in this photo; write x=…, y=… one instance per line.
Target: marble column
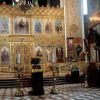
x=73, y=18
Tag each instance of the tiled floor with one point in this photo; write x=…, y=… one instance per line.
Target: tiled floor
x=66, y=92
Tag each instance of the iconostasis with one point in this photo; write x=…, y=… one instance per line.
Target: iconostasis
x=24, y=35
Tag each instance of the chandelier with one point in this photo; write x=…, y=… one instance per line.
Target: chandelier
x=24, y=5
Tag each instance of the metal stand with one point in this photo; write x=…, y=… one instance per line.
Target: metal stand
x=19, y=92
x=54, y=90
x=86, y=65
x=86, y=83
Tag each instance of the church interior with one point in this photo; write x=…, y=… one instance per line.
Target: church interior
x=49, y=47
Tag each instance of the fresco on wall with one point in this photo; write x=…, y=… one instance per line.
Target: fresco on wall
x=37, y=25
x=21, y=25
x=48, y=26
x=5, y=56
x=4, y=25
x=58, y=26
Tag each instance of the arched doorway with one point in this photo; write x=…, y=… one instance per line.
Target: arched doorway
x=22, y=56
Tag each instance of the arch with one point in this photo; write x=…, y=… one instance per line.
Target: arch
x=22, y=56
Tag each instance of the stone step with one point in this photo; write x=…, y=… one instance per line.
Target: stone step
x=26, y=82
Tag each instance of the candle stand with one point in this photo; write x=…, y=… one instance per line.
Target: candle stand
x=85, y=54
x=86, y=65
x=18, y=70
x=54, y=90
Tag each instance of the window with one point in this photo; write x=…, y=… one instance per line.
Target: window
x=85, y=9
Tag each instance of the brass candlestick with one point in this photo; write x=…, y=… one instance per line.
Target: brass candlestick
x=19, y=92
x=54, y=90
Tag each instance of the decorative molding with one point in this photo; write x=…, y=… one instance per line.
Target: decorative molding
x=34, y=11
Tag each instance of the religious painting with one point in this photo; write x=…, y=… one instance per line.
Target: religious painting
x=21, y=25
x=38, y=51
x=58, y=26
x=59, y=53
x=78, y=42
x=49, y=53
x=70, y=49
x=4, y=25
x=70, y=43
x=5, y=57
x=47, y=26
x=74, y=47
x=37, y=25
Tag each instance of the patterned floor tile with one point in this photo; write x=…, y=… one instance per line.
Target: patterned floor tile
x=66, y=92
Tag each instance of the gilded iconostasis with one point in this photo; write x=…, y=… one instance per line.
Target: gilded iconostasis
x=40, y=31
x=25, y=35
